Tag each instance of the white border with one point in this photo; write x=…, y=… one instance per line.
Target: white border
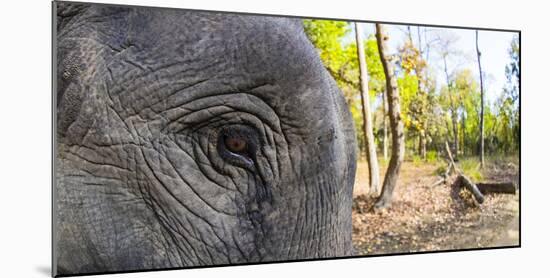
x=25, y=142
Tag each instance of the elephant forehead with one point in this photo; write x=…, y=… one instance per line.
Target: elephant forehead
x=235, y=48
x=184, y=34
x=189, y=55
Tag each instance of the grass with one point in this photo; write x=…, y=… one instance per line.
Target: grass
x=431, y=156
x=470, y=166
x=417, y=160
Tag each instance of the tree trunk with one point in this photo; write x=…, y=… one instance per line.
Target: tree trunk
x=419, y=146
x=424, y=139
x=398, y=142
x=455, y=134
x=422, y=144
x=449, y=129
x=370, y=150
x=481, y=136
x=385, y=110
x=463, y=133
x=454, y=116
x=422, y=93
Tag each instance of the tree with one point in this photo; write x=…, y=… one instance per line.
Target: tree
x=412, y=62
x=512, y=70
x=512, y=89
x=467, y=95
x=481, y=140
x=326, y=36
x=394, y=110
x=377, y=86
x=385, y=125
x=445, y=44
x=507, y=133
x=370, y=150
x=408, y=90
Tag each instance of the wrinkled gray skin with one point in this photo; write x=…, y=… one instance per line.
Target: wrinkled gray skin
x=143, y=180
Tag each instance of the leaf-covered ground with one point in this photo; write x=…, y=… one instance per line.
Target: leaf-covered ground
x=424, y=217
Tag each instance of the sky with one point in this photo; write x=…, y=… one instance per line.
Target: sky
x=493, y=46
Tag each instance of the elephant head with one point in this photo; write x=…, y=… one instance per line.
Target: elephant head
x=188, y=138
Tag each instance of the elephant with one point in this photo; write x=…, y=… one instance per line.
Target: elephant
x=193, y=138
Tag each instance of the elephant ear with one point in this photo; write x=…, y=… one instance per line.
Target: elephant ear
x=81, y=64
x=68, y=65
x=66, y=12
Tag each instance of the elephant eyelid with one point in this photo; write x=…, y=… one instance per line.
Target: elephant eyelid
x=242, y=157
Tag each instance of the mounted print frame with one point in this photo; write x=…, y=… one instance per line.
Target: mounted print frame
x=190, y=138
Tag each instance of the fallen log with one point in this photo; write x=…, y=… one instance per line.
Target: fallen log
x=448, y=172
x=451, y=158
x=445, y=176
x=438, y=182
x=472, y=187
x=502, y=187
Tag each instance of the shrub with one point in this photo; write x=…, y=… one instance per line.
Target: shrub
x=440, y=170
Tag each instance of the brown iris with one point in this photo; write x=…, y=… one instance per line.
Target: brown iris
x=236, y=144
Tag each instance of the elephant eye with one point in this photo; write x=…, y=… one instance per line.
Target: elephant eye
x=236, y=144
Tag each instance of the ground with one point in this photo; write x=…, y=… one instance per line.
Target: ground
x=424, y=217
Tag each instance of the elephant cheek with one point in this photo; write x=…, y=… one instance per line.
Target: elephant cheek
x=314, y=215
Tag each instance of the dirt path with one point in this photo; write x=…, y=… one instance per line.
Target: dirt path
x=428, y=218
x=510, y=235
